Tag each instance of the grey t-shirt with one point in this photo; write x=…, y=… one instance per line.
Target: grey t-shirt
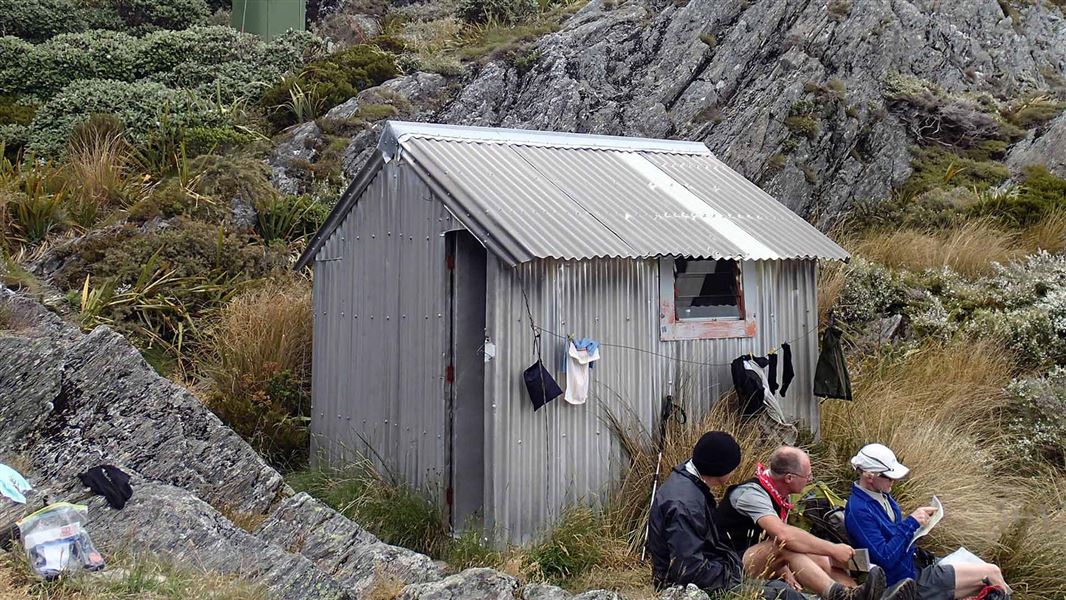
x=751, y=500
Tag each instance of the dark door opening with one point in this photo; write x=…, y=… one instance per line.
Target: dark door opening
x=466, y=398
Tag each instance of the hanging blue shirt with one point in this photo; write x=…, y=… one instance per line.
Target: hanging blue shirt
x=888, y=541
x=12, y=484
x=590, y=345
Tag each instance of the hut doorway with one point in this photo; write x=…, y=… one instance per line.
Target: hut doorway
x=466, y=373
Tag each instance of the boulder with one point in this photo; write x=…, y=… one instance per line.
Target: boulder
x=471, y=584
x=338, y=546
x=164, y=520
x=688, y=592
x=543, y=591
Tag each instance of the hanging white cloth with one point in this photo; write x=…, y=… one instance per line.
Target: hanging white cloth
x=577, y=373
x=773, y=407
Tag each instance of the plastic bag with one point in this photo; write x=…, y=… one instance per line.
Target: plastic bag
x=56, y=540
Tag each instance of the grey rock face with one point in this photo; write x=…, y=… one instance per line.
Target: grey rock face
x=299, y=147
x=1048, y=148
x=76, y=404
x=689, y=592
x=416, y=97
x=730, y=73
x=599, y=595
x=336, y=545
x=163, y=519
x=543, y=591
x=471, y=584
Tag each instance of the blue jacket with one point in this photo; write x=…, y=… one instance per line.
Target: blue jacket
x=869, y=527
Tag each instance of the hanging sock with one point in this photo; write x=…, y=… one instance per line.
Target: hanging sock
x=771, y=372
x=578, y=363
x=786, y=368
x=831, y=378
x=12, y=484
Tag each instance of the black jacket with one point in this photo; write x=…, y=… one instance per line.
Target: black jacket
x=684, y=538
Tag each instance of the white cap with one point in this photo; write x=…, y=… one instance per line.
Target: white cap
x=877, y=458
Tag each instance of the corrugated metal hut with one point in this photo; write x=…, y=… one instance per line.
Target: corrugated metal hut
x=429, y=269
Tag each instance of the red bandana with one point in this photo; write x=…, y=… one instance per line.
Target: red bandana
x=763, y=474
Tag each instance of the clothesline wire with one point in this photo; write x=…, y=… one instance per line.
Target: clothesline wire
x=809, y=330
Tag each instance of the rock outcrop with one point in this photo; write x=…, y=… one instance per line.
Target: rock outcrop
x=70, y=401
x=731, y=74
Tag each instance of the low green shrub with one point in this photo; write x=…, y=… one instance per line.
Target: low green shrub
x=327, y=83
x=936, y=116
x=503, y=11
x=38, y=20
x=288, y=218
x=1036, y=421
x=52, y=65
x=149, y=15
x=573, y=547
x=1039, y=193
x=395, y=512
x=139, y=106
x=941, y=167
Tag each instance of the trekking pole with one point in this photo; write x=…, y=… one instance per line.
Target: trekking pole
x=668, y=409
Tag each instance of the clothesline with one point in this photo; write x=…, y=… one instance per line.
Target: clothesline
x=808, y=331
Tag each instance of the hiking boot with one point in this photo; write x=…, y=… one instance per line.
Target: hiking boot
x=904, y=590
x=871, y=590
x=874, y=587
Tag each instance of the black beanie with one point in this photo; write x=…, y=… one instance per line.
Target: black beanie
x=716, y=454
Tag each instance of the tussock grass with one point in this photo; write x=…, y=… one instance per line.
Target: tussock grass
x=1032, y=551
x=969, y=248
x=830, y=287
x=125, y=579
x=99, y=174
x=260, y=332
x=936, y=407
x=393, y=511
x=1048, y=234
x=260, y=368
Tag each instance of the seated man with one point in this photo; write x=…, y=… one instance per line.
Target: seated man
x=754, y=517
x=874, y=521
x=684, y=540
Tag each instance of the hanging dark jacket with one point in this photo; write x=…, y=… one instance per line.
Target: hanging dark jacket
x=684, y=539
x=749, y=386
x=831, y=378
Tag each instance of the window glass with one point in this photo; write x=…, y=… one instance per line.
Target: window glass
x=706, y=289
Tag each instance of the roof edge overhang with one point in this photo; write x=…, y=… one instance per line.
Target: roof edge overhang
x=340, y=210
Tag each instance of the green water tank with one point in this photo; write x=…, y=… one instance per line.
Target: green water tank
x=268, y=18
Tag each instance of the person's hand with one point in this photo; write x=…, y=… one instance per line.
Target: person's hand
x=923, y=514
x=842, y=553
x=790, y=579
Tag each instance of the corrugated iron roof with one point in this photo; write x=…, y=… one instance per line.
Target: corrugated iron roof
x=534, y=194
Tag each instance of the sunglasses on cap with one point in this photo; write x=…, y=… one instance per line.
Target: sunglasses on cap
x=880, y=462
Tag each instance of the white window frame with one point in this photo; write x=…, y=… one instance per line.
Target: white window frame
x=673, y=329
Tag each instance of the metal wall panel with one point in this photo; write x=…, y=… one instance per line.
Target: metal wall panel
x=380, y=330
x=542, y=462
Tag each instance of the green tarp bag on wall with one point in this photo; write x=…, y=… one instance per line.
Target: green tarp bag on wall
x=831, y=378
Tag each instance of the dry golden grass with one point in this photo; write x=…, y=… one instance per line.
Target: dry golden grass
x=260, y=333
x=628, y=507
x=1048, y=234
x=969, y=248
x=98, y=175
x=126, y=578
x=830, y=286
x=1033, y=549
x=386, y=586
x=936, y=408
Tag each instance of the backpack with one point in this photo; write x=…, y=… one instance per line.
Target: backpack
x=821, y=512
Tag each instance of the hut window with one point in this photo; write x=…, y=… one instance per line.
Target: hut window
x=706, y=289
x=704, y=298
